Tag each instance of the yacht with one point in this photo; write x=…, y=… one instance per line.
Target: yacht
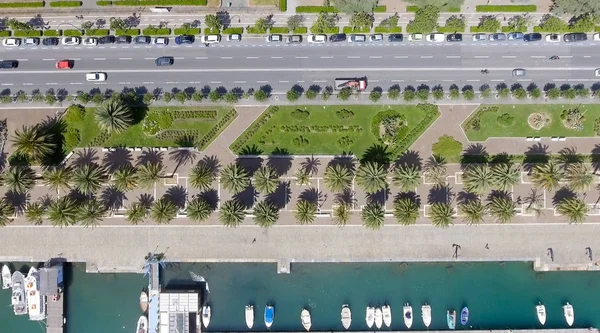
x=540, y=309
x=408, y=315
x=142, y=325
x=305, y=317
x=426, y=314
x=387, y=315
x=378, y=318
x=6, y=277
x=206, y=314
x=346, y=316
x=464, y=316
x=451, y=319
x=569, y=314
x=249, y=316
x=35, y=303
x=144, y=301
x=269, y=315
x=18, y=294
x=370, y=316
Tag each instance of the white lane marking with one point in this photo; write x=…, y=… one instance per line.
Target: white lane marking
x=124, y=58
x=276, y=57
x=215, y=81
x=579, y=80
x=473, y=80
x=452, y=57
x=397, y=80
x=509, y=57
x=149, y=58
x=27, y=84
x=284, y=81
x=262, y=81
x=353, y=57
x=426, y=57
x=556, y=80
x=201, y=58
x=422, y=80
x=375, y=57
x=226, y=57
x=326, y=57
x=7, y=84
x=169, y=82
x=22, y=59
x=99, y=58
x=179, y=58
x=320, y=81
x=447, y=80
x=76, y=59
x=76, y=83
x=302, y=57
x=252, y=57
x=300, y=81
x=51, y=83
x=239, y=81
x=566, y=57
x=48, y=59
x=587, y=56
x=524, y=80
x=497, y=80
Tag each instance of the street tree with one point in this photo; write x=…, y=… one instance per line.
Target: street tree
x=341, y=214
x=263, y=24
x=235, y=178
x=578, y=177
x=371, y=177
x=337, y=178
x=114, y=116
x=163, y=211
x=198, y=210
x=441, y=214
x=201, y=177
x=505, y=175
x=353, y=6
x=406, y=211
x=231, y=213
x=7, y=213
x=435, y=170
x=502, y=209
x=407, y=177
x=546, y=176
x=213, y=22
x=391, y=22
x=35, y=212
x=18, y=179
x=62, y=212
x=478, y=178
x=576, y=7
x=574, y=209
x=89, y=178
x=149, y=174
x=456, y=23
x=265, y=214
x=32, y=142
x=295, y=21
x=425, y=20
x=136, y=213
x=125, y=178
x=324, y=23
x=373, y=216
x=553, y=24
x=265, y=180
x=489, y=24
x=117, y=23
x=519, y=23
x=58, y=178
x=305, y=212
x=584, y=23
x=15, y=24
x=91, y=212
x=473, y=211
x=362, y=20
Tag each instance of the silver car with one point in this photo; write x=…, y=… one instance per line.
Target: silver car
x=519, y=72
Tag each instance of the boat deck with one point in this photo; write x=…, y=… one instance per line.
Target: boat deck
x=55, y=315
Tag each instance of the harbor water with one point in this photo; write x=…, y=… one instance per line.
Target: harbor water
x=499, y=295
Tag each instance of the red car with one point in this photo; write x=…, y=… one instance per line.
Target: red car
x=64, y=64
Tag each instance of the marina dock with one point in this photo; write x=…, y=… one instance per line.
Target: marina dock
x=51, y=287
x=569, y=330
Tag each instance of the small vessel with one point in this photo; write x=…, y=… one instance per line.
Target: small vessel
x=305, y=317
x=408, y=315
x=370, y=316
x=269, y=315
x=540, y=309
x=451, y=319
x=249, y=315
x=206, y=313
x=17, y=300
x=35, y=303
x=144, y=301
x=378, y=318
x=6, y=277
x=346, y=316
x=426, y=314
x=387, y=315
x=142, y=325
x=569, y=314
x=464, y=316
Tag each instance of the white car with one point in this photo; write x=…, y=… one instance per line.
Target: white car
x=71, y=41
x=479, y=37
x=377, y=38
x=11, y=42
x=95, y=77
x=435, y=38
x=597, y=72
x=31, y=41
x=210, y=39
x=317, y=39
x=161, y=41
x=234, y=38
x=553, y=38
x=90, y=41
x=415, y=37
x=274, y=38
x=597, y=37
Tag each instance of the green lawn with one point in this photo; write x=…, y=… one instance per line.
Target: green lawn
x=490, y=126
x=293, y=129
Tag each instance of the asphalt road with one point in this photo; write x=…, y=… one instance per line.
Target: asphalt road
x=254, y=62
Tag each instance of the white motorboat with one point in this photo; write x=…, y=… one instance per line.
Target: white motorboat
x=346, y=316
x=370, y=316
x=378, y=318
x=387, y=315
x=569, y=314
x=35, y=303
x=269, y=315
x=306, y=322
x=144, y=301
x=18, y=301
x=408, y=315
x=249, y=316
x=142, y=325
x=206, y=315
x=426, y=314
x=6, y=277
x=540, y=309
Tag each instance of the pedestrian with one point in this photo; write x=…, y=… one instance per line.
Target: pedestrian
x=254, y=241
x=487, y=247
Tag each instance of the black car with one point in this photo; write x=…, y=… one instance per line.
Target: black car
x=9, y=64
x=533, y=37
x=106, y=40
x=337, y=38
x=164, y=61
x=123, y=40
x=50, y=41
x=395, y=38
x=143, y=40
x=184, y=39
x=576, y=37
x=454, y=38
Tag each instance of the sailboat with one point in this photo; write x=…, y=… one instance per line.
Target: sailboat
x=426, y=314
x=35, y=304
x=206, y=313
x=451, y=319
x=540, y=309
x=346, y=316
x=387, y=315
x=378, y=318
x=370, y=316
x=142, y=325
x=464, y=316
x=569, y=314
x=249, y=313
x=269, y=315
x=305, y=317
x=408, y=315
x=18, y=294
x=6, y=277
x=144, y=301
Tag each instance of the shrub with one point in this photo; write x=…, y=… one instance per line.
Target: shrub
x=65, y=4
x=300, y=114
x=261, y=96
x=344, y=94
x=190, y=31
x=52, y=33
x=311, y=94
x=409, y=95
x=505, y=8
x=447, y=147
x=72, y=137
x=292, y=95
x=300, y=141
x=22, y=4
x=72, y=32
x=156, y=120
x=393, y=123
x=156, y=32
x=380, y=9
x=233, y=31
x=345, y=142
x=468, y=94
x=344, y=114
x=279, y=30
x=316, y=9
x=393, y=93
x=5, y=33
x=30, y=33
x=103, y=3
x=454, y=93
x=214, y=96
x=74, y=114
x=375, y=96
x=505, y=119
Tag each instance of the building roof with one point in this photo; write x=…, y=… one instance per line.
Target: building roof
x=48, y=281
x=178, y=312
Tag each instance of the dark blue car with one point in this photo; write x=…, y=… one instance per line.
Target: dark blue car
x=184, y=39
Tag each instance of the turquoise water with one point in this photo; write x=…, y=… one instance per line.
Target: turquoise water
x=499, y=295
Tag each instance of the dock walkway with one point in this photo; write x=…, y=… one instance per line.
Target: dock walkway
x=568, y=330
x=55, y=315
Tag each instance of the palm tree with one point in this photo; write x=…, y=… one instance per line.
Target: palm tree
x=502, y=209
x=19, y=179
x=58, y=178
x=373, y=215
x=302, y=177
x=478, y=178
x=91, y=212
x=113, y=115
x=6, y=212
x=337, y=178
x=201, y=177
x=435, y=170
x=89, y=178
x=163, y=211
x=149, y=174
x=505, y=175
x=305, y=212
x=198, y=210
x=125, y=178
x=441, y=215
x=34, y=213
x=265, y=214
x=341, y=214
x=473, y=210
x=266, y=180
x=231, y=213
x=546, y=176
x=574, y=209
x=406, y=211
x=407, y=177
x=33, y=142
x=579, y=177
x=371, y=177
x=62, y=212
x=235, y=178
x=136, y=213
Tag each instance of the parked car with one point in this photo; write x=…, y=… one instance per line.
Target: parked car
x=274, y=38
x=70, y=41
x=31, y=41
x=50, y=41
x=123, y=40
x=294, y=39
x=106, y=40
x=395, y=38
x=184, y=39
x=575, y=37
x=415, y=37
x=161, y=41
x=497, y=37
x=210, y=39
x=377, y=38
x=64, y=64
x=533, y=37
x=435, y=38
x=145, y=40
x=515, y=36
x=8, y=64
x=337, y=38
x=597, y=72
x=317, y=38
x=553, y=38
x=90, y=41
x=357, y=38
x=454, y=38
x=519, y=72
x=479, y=37
x=164, y=61
x=95, y=77
x=234, y=38
x=596, y=37
x=11, y=42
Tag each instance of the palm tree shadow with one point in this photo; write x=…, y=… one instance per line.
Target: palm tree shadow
x=112, y=198
x=379, y=197
x=212, y=162
x=537, y=153
x=474, y=154
x=345, y=161
x=182, y=156
x=562, y=194
x=247, y=197
x=280, y=161
x=495, y=194
x=347, y=197
x=311, y=165
x=502, y=158
x=311, y=195
x=377, y=153
x=150, y=156
x=409, y=195
x=211, y=196
x=440, y=194
x=463, y=197
x=146, y=200
x=177, y=195
x=54, y=127
x=85, y=156
x=117, y=158
x=569, y=155
x=250, y=164
x=77, y=197
x=18, y=201
x=282, y=195
x=410, y=158
x=596, y=157
x=251, y=151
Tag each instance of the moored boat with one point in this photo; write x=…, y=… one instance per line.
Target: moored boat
x=464, y=316
x=540, y=309
x=426, y=314
x=35, y=304
x=6, y=277
x=17, y=300
x=569, y=314
x=142, y=325
x=346, y=316
x=378, y=318
x=408, y=315
x=249, y=313
x=387, y=315
x=269, y=315
x=305, y=317
x=370, y=316
x=144, y=301
x=451, y=319
x=206, y=314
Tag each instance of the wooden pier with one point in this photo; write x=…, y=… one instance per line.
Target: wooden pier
x=55, y=315
x=51, y=287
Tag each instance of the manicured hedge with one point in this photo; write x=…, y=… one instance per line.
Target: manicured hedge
x=446, y=30
x=334, y=30
x=229, y=31
x=505, y=8
x=413, y=9
x=508, y=29
x=385, y=30
x=52, y=33
x=210, y=31
x=66, y=4
x=283, y=5
x=350, y=30
x=253, y=30
x=301, y=30
x=21, y=4
x=597, y=28
x=103, y=3
x=156, y=32
x=184, y=31
x=279, y=30
x=129, y=32
x=380, y=9
x=5, y=33
x=72, y=32
x=159, y=3
x=476, y=29
x=97, y=32
x=30, y=33
x=316, y=9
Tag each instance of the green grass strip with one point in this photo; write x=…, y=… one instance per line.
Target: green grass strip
x=283, y=5
x=22, y=4
x=316, y=9
x=103, y=3
x=72, y=32
x=384, y=30
x=350, y=30
x=301, y=30
x=159, y=3
x=129, y=32
x=156, y=32
x=414, y=9
x=66, y=4
x=184, y=31
x=230, y=31
x=279, y=30
x=505, y=8
x=52, y=33
x=5, y=33
x=380, y=9
x=30, y=33
x=448, y=30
